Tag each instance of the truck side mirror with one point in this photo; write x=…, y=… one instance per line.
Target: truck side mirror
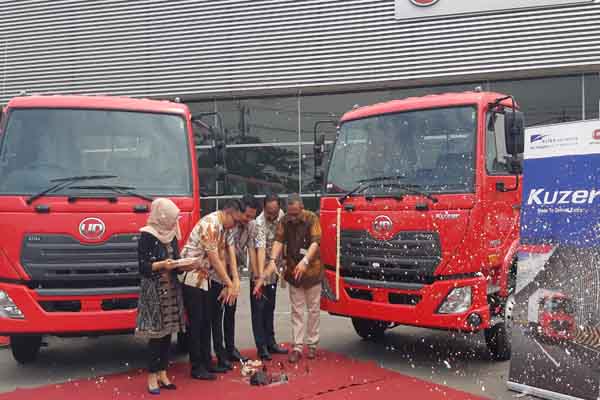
x=318, y=152
x=220, y=173
x=2, y=116
x=319, y=149
x=514, y=132
x=218, y=144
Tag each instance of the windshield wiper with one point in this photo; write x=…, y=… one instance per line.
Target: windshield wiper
x=365, y=183
x=414, y=189
x=126, y=190
x=60, y=183
x=382, y=178
x=358, y=187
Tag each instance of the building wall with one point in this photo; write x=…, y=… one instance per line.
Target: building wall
x=274, y=67
x=202, y=49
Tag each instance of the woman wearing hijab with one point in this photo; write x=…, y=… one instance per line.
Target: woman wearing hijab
x=160, y=308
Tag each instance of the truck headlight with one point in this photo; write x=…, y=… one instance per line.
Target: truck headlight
x=458, y=301
x=8, y=308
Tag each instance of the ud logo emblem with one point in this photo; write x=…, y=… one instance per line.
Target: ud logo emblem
x=382, y=224
x=424, y=3
x=92, y=228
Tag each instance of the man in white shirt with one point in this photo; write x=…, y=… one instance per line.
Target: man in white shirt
x=262, y=300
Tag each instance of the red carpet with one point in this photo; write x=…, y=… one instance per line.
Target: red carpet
x=330, y=377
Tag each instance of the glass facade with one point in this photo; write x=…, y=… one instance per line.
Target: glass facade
x=269, y=140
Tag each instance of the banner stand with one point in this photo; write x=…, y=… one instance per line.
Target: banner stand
x=535, y=391
x=555, y=335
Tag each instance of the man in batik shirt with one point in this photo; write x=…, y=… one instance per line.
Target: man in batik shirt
x=240, y=246
x=207, y=244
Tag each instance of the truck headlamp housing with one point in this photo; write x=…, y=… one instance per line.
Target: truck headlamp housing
x=8, y=308
x=458, y=301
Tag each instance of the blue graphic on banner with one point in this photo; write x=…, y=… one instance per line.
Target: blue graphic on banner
x=561, y=199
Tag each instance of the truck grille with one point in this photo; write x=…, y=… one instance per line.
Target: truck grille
x=407, y=257
x=60, y=261
x=561, y=326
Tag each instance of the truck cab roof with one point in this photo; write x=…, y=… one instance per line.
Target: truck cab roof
x=424, y=102
x=98, y=102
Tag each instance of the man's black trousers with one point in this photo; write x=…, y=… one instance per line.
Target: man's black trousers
x=263, y=314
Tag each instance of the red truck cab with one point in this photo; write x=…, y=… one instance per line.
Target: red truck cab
x=77, y=175
x=428, y=194
x=556, y=317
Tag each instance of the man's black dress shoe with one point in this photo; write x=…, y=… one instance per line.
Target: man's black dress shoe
x=277, y=349
x=203, y=375
x=236, y=356
x=263, y=354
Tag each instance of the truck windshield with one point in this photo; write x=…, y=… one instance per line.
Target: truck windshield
x=432, y=149
x=560, y=306
x=145, y=151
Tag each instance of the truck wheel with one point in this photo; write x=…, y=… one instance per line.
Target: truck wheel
x=369, y=329
x=498, y=337
x=25, y=349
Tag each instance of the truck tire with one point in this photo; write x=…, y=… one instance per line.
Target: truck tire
x=25, y=349
x=369, y=329
x=498, y=337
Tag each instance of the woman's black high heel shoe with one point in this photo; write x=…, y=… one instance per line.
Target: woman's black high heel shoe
x=170, y=386
x=154, y=391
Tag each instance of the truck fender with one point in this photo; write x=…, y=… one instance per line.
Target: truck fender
x=8, y=269
x=507, y=263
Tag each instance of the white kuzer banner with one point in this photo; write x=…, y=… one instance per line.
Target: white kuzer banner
x=412, y=9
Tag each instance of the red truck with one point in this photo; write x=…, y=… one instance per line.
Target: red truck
x=551, y=315
x=427, y=191
x=77, y=175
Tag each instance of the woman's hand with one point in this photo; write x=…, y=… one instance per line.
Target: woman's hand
x=169, y=264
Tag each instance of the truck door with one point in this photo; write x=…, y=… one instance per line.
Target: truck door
x=501, y=194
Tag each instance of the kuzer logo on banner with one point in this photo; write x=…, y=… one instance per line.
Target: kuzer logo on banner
x=596, y=134
x=424, y=3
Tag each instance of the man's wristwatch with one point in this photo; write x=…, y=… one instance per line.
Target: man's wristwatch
x=305, y=261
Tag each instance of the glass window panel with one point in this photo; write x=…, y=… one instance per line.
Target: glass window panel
x=206, y=172
x=260, y=170
x=203, y=136
x=592, y=96
x=539, y=108
x=267, y=120
x=495, y=151
x=308, y=169
x=207, y=206
x=311, y=202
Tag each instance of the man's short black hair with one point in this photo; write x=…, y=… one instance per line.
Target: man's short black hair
x=272, y=197
x=248, y=201
x=295, y=198
x=231, y=205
